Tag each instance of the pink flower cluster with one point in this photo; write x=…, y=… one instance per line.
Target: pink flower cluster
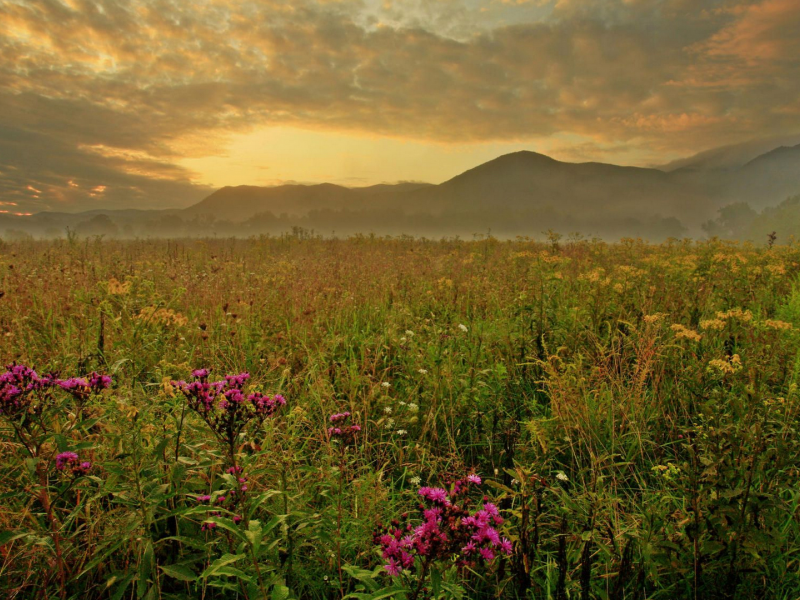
x=342, y=432
x=448, y=531
x=224, y=406
x=72, y=462
x=83, y=387
x=20, y=385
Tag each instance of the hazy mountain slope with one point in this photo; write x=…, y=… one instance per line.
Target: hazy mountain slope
x=731, y=157
x=244, y=201
x=530, y=180
x=514, y=192
x=768, y=179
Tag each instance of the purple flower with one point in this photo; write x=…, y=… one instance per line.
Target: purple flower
x=346, y=434
x=435, y=495
x=224, y=406
x=71, y=461
x=393, y=568
x=505, y=546
x=473, y=478
x=65, y=459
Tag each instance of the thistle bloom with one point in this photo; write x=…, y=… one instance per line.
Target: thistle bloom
x=83, y=387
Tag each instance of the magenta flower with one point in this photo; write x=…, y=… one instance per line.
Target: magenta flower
x=19, y=388
x=346, y=434
x=225, y=407
x=65, y=459
x=448, y=531
x=71, y=461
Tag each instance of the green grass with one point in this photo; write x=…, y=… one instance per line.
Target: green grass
x=660, y=380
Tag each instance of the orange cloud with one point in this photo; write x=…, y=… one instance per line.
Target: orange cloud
x=117, y=94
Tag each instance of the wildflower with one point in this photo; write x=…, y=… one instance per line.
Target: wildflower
x=224, y=406
x=682, y=332
x=505, y=546
x=447, y=532
x=473, y=478
x=82, y=387
x=726, y=366
x=415, y=481
x=401, y=432
x=463, y=327
x=423, y=371
x=388, y=410
x=20, y=386
x=561, y=476
x=71, y=461
x=386, y=384
x=412, y=407
x=736, y=313
x=346, y=434
x=65, y=459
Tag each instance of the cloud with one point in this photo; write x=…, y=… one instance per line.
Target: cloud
x=114, y=94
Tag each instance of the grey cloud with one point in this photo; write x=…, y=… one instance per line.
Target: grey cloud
x=148, y=76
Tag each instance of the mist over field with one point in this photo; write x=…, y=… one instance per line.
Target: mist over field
x=520, y=194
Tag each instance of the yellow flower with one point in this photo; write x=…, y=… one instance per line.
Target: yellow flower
x=682, y=332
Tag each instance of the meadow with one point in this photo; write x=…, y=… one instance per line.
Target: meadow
x=421, y=419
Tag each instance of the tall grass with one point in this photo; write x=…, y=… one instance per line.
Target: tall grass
x=631, y=408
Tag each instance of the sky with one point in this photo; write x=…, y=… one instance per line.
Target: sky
x=155, y=103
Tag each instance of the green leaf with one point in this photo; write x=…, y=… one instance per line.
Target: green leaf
x=179, y=572
x=122, y=587
x=222, y=561
x=280, y=592
x=10, y=536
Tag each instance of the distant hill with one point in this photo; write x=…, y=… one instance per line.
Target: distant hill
x=731, y=157
x=525, y=180
x=523, y=192
x=244, y=201
x=519, y=181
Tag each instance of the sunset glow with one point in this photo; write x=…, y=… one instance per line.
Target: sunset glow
x=158, y=104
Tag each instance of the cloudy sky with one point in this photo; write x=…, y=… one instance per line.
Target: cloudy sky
x=152, y=103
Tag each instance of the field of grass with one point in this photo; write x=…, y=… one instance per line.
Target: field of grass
x=630, y=409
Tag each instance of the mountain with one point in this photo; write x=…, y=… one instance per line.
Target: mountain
x=774, y=175
x=519, y=193
x=245, y=201
x=731, y=157
x=525, y=180
x=522, y=181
